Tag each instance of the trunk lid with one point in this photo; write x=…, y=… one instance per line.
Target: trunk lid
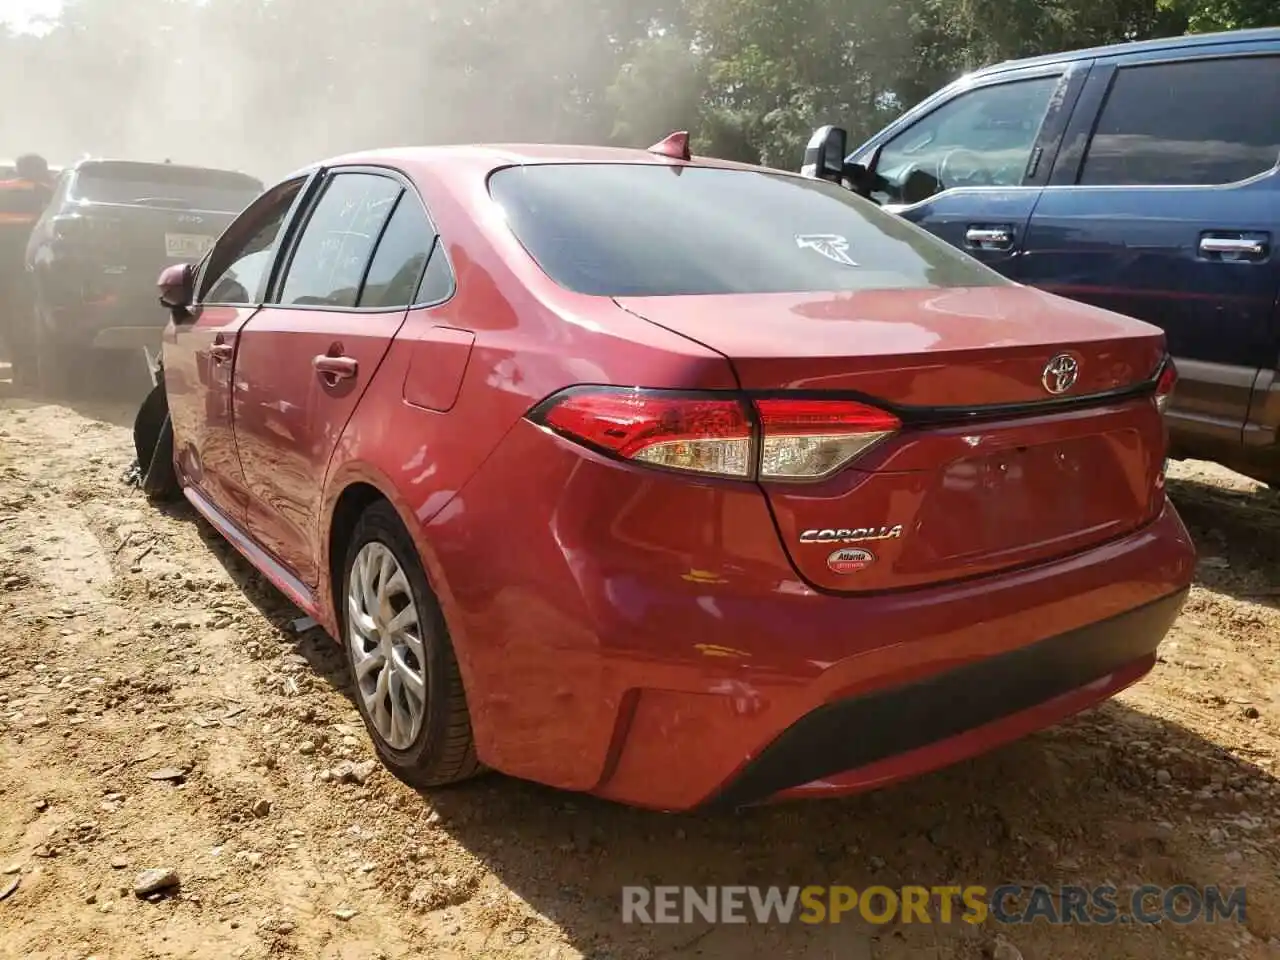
x=991, y=469
x=967, y=347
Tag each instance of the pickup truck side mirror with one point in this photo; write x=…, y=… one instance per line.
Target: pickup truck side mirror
x=824, y=156
x=176, y=285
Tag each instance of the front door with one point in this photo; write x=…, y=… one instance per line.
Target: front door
x=199, y=352
x=1171, y=215
x=306, y=359
x=969, y=170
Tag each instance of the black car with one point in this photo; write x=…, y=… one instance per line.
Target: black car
x=93, y=257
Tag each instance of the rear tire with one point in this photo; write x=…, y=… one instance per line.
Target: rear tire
x=389, y=649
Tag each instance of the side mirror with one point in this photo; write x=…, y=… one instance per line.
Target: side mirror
x=176, y=287
x=863, y=178
x=824, y=156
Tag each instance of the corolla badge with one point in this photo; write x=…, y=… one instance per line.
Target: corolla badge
x=830, y=245
x=854, y=535
x=1060, y=373
x=850, y=560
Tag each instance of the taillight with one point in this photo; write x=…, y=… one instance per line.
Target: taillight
x=680, y=432
x=718, y=434
x=1165, y=383
x=807, y=439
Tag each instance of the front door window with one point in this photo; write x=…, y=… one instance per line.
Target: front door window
x=980, y=138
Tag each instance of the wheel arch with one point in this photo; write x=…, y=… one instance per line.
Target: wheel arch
x=350, y=492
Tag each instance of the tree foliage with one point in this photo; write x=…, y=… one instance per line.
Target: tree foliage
x=267, y=85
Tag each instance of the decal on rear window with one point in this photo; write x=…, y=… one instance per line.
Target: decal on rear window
x=830, y=245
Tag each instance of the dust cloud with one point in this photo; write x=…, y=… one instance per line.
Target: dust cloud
x=266, y=86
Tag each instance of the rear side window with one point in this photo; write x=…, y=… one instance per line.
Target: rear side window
x=402, y=256
x=1199, y=122
x=649, y=230
x=331, y=256
x=165, y=185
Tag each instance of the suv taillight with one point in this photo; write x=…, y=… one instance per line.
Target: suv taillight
x=1165, y=383
x=718, y=434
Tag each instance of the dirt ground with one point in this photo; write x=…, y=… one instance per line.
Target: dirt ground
x=157, y=711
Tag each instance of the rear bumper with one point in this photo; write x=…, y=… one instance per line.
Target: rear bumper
x=101, y=318
x=997, y=699
x=646, y=639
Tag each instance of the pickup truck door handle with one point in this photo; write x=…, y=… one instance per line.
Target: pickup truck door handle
x=989, y=238
x=1234, y=248
x=335, y=368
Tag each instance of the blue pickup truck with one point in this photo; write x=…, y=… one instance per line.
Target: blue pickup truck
x=1140, y=177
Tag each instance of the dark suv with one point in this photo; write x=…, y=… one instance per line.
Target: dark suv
x=111, y=227
x=1140, y=177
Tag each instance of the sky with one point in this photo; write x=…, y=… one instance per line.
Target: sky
x=21, y=14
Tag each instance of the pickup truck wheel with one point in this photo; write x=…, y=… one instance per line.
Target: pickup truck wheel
x=407, y=685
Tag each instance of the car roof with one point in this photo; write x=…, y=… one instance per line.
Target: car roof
x=1188, y=42
x=491, y=156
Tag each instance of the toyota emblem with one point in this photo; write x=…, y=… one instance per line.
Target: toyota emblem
x=1060, y=373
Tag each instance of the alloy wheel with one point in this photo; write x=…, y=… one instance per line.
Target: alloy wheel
x=385, y=635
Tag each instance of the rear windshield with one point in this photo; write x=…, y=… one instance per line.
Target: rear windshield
x=646, y=230
x=166, y=185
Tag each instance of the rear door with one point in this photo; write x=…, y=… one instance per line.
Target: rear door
x=305, y=360
x=198, y=353
x=1165, y=207
x=970, y=168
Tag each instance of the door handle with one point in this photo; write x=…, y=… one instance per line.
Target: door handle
x=989, y=238
x=1232, y=245
x=335, y=368
x=221, y=352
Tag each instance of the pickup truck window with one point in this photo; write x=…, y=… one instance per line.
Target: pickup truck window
x=1198, y=122
x=979, y=138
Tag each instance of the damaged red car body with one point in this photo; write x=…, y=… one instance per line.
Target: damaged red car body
x=671, y=480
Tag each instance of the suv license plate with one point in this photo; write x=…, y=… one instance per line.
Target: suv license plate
x=186, y=246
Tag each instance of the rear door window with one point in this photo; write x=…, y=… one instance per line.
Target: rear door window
x=652, y=230
x=1198, y=122
x=397, y=267
x=329, y=262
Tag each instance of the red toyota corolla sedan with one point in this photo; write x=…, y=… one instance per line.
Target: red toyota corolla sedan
x=671, y=480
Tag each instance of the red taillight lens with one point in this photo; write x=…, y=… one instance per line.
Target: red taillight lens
x=1167, y=380
x=701, y=434
x=807, y=439
x=798, y=439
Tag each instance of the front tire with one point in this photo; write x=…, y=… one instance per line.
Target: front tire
x=408, y=688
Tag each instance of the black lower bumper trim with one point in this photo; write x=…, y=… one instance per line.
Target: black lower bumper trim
x=852, y=733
